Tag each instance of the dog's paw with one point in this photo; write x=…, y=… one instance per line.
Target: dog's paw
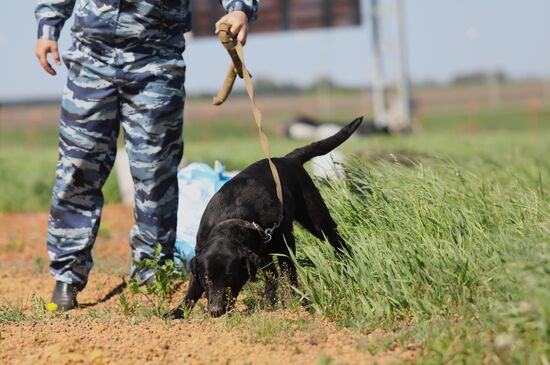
x=181, y=312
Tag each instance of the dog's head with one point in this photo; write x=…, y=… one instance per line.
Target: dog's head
x=222, y=272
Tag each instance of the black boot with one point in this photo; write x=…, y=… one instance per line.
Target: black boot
x=64, y=295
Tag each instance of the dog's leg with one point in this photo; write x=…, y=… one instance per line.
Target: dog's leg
x=314, y=215
x=285, y=262
x=271, y=276
x=194, y=292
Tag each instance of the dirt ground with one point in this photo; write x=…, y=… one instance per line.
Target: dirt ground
x=98, y=332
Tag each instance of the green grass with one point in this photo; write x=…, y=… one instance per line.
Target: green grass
x=510, y=119
x=28, y=156
x=456, y=251
x=27, y=174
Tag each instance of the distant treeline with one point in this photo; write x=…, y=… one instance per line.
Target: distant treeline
x=266, y=86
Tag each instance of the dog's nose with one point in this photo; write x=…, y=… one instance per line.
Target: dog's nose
x=215, y=311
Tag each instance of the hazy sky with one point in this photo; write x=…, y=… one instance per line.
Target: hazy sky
x=443, y=37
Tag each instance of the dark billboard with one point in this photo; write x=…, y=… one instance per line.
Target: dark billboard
x=280, y=15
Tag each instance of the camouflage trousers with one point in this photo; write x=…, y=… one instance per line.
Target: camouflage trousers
x=143, y=92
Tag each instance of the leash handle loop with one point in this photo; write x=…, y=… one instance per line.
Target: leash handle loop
x=236, y=68
x=230, y=45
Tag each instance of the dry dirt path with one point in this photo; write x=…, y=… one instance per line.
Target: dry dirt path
x=98, y=332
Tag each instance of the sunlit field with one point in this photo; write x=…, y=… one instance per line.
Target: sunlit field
x=449, y=229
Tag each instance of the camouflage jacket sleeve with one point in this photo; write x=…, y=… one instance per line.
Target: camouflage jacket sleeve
x=51, y=15
x=250, y=7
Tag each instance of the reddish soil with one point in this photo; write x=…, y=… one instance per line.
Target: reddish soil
x=98, y=332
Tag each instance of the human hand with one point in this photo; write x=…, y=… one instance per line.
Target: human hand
x=43, y=48
x=238, y=20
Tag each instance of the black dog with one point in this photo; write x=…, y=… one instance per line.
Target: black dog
x=232, y=241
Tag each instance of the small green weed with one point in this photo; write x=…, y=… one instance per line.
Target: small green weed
x=101, y=314
x=157, y=292
x=127, y=306
x=12, y=313
x=38, y=308
x=268, y=327
x=233, y=320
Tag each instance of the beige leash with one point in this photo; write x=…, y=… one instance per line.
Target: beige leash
x=235, y=50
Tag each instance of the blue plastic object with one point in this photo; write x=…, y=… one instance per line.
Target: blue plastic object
x=197, y=182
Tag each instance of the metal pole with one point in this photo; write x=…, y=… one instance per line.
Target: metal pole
x=403, y=83
x=378, y=88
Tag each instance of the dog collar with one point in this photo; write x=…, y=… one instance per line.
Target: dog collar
x=266, y=234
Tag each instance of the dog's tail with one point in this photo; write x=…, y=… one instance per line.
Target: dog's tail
x=322, y=147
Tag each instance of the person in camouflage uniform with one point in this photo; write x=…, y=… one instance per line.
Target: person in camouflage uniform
x=125, y=68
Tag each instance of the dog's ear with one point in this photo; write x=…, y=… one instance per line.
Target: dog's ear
x=251, y=265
